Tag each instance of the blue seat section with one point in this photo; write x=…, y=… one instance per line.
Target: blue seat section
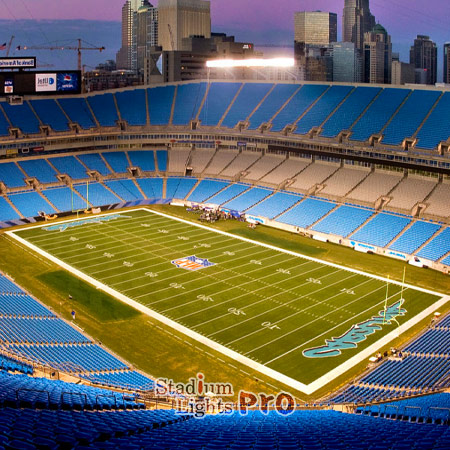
x=132, y=106
x=446, y=261
x=248, y=199
x=96, y=194
x=71, y=358
x=412, y=372
x=206, y=189
x=380, y=111
x=145, y=159
x=153, y=187
x=117, y=160
x=21, y=116
x=218, y=100
x=349, y=111
x=50, y=114
x=65, y=199
x=414, y=237
x=444, y=323
x=129, y=379
x=306, y=213
x=438, y=247
x=160, y=101
x=9, y=287
x=381, y=229
x=94, y=162
x=179, y=187
x=78, y=111
x=38, y=330
x=434, y=341
x=323, y=108
x=70, y=166
x=161, y=159
x=363, y=394
x=228, y=193
x=343, y=221
x=14, y=366
x=247, y=100
x=6, y=211
x=19, y=304
x=301, y=101
x=4, y=125
x=274, y=101
x=27, y=392
x=30, y=203
x=125, y=189
x=437, y=126
x=40, y=169
x=188, y=101
x=275, y=205
x=104, y=109
x=410, y=116
x=11, y=175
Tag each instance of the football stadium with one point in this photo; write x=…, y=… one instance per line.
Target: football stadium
x=269, y=257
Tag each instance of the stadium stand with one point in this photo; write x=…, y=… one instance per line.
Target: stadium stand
x=30, y=203
x=349, y=111
x=78, y=111
x=125, y=189
x=64, y=199
x=345, y=220
x=344, y=180
x=144, y=159
x=178, y=160
x=38, y=168
x=4, y=124
x=378, y=114
x=93, y=161
x=306, y=213
x=381, y=230
x=241, y=163
x=160, y=101
x=200, y=159
x=161, y=159
x=414, y=237
x=228, y=193
x=50, y=114
x=152, y=187
x=297, y=106
x=438, y=247
x=206, y=189
x=188, y=100
x=217, y=101
x=104, y=109
x=286, y=170
x=247, y=199
x=179, y=187
x=117, y=161
x=275, y=205
x=22, y=117
x=248, y=99
x=70, y=166
x=411, y=191
x=313, y=174
x=11, y=175
x=96, y=194
x=322, y=108
x=433, y=342
x=263, y=166
x=438, y=204
x=219, y=161
x=132, y=106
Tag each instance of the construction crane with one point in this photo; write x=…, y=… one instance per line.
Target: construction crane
x=78, y=48
x=8, y=48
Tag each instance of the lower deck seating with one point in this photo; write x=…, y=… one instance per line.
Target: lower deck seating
x=206, y=189
x=30, y=203
x=227, y=194
x=65, y=199
x=179, y=187
x=275, y=205
x=152, y=187
x=438, y=247
x=306, y=213
x=247, y=199
x=125, y=189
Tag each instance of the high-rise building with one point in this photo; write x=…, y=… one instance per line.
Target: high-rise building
x=423, y=55
x=315, y=27
x=447, y=62
x=377, y=56
x=402, y=73
x=356, y=21
x=346, y=62
x=180, y=19
x=145, y=35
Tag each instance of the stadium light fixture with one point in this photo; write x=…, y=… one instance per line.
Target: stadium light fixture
x=251, y=62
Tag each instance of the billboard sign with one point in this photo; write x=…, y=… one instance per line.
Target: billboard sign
x=18, y=63
x=67, y=81
x=46, y=82
x=9, y=86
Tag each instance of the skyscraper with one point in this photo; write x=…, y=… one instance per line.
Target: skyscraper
x=315, y=27
x=377, y=56
x=346, y=62
x=356, y=21
x=423, y=55
x=447, y=62
x=145, y=35
x=180, y=19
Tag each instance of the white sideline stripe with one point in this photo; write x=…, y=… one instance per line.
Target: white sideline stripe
x=295, y=384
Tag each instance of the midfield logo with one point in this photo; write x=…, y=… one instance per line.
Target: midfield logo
x=192, y=263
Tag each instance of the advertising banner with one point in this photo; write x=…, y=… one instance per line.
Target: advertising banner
x=46, y=82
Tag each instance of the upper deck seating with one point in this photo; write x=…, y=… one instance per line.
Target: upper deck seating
x=94, y=162
x=70, y=166
x=145, y=159
x=104, y=109
x=132, y=107
x=78, y=111
x=187, y=103
x=160, y=101
x=50, y=114
x=22, y=117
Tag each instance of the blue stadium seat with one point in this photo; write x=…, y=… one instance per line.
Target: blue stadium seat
x=322, y=109
x=11, y=175
x=125, y=189
x=65, y=199
x=438, y=247
x=206, y=189
x=40, y=169
x=349, y=111
x=301, y=101
x=161, y=159
x=152, y=187
x=379, y=112
x=50, y=114
x=247, y=100
x=30, y=203
x=247, y=199
x=94, y=162
x=104, y=109
x=160, y=101
x=70, y=166
x=187, y=103
x=132, y=106
x=306, y=213
x=4, y=125
x=414, y=237
x=21, y=116
x=275, y=205
x=219, y=98
x=179, y=187
x=228, y=193
x=145, y=159
x=117, y=160
x=78, y=111
x=96, y=194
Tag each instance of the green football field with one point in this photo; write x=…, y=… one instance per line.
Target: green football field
x=291, y=317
